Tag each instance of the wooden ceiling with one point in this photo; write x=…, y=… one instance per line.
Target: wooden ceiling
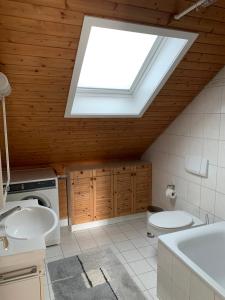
x=38, y=43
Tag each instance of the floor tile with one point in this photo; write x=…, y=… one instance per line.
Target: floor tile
x=46, y=292
x=139, y=283
x=129, y=270
x=125, y=227
x=148, y=279
x=50, y=259
x=147, y=295
x=148, y=251
x=114, y=249
x=139, y=224
x=140, y=242
x=97, y=230
x=87, y=243
x=82, y=234
x=152, y=261
x=112, y=229
x=152, y=241
x=51, y=292
x=47, y=274
x=53, y=251
x=131, y=255
x=140, y=267
x=153, y=293
x=120, y=237
x=71, y=252
x=103, y=240
x=132, y=234
x=121, y=258
x=142, y=232
x=124, y=246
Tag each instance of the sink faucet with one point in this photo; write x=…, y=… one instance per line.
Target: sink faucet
x=9, y=212
x=5, y=242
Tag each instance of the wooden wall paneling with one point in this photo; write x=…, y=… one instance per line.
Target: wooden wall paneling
x=142, y=187
x=38, y=39
x=82, y=197
x=123, y=190
x=103, y=193
x=30, y=25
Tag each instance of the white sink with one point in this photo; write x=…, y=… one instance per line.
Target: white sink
x=31, y=222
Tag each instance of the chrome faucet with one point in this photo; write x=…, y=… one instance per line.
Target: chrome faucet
x=5, y=242
x=9, y=212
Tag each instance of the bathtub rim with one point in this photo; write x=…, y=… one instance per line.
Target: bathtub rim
x=171, y=242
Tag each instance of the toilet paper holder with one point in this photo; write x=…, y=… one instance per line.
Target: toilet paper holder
x=171, y=186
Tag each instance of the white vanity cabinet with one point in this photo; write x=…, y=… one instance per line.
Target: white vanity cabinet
x=22, y=276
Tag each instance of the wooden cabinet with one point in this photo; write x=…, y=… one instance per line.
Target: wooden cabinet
x=103, y=194
x=106, y=192
x=123, y=191
x=132, y=189
x=142, y=187
x=81, y=194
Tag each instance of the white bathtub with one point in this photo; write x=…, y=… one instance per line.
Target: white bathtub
x=202, y=250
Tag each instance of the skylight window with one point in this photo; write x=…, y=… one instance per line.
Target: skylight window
x=120, y=67
x=113, y=58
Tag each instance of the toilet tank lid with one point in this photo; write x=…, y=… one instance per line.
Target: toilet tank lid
x=171, y=219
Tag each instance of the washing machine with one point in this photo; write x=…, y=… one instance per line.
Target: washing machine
x=40, y=184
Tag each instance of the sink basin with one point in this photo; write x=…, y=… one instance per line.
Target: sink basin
x=31, y=222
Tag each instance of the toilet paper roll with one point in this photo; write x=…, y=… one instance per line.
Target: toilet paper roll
x=171, y=194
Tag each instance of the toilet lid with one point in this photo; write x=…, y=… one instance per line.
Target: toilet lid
x=171, y=219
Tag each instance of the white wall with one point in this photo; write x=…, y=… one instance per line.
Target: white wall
x=198, y=130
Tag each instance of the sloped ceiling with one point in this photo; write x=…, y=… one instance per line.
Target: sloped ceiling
x=38, y=42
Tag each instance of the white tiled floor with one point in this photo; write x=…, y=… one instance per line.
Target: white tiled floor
x=127, y=240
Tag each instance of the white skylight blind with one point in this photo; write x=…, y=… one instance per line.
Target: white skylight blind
x=120, y=67
x=113, y=58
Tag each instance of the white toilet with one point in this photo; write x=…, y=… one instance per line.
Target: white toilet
x=170, y=221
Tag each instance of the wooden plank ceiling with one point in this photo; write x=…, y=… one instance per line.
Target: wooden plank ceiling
x=38, y=43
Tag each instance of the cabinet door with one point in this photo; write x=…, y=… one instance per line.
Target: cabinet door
x=123, y=191
x=25, y=289
x=82, y=199
x=103, y=194
x=142, y=187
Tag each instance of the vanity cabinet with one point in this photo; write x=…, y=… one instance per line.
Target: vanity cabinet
x=22, y=275
x=108, y=190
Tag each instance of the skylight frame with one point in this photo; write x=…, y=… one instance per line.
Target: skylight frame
x=123, y=103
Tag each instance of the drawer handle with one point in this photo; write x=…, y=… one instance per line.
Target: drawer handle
x=17, y=274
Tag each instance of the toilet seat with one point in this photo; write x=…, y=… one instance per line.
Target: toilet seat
x=171, y=219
